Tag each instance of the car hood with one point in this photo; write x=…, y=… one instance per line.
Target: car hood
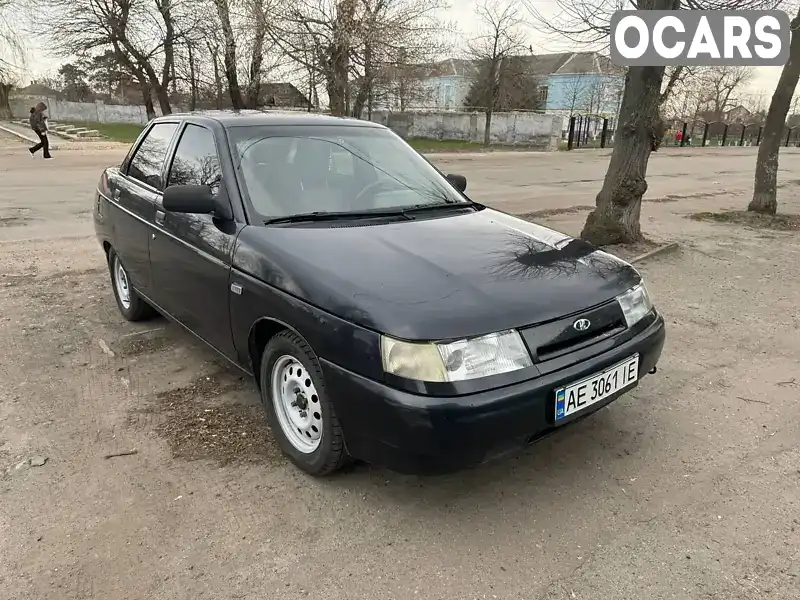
x=436, y=278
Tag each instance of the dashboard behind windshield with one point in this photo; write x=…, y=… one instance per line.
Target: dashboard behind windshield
x=292, y=170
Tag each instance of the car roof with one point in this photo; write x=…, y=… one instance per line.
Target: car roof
x=245, y=118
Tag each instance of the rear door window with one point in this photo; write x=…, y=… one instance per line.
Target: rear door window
x=148, y=162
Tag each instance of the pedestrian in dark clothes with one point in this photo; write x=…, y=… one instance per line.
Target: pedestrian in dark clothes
x=39, y=125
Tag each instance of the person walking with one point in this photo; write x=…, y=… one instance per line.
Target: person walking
x=39, y=125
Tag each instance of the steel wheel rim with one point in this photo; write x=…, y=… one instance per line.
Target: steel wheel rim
x=296, y=403
x=122, y=284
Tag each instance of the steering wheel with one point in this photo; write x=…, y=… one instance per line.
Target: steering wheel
x=370, y=187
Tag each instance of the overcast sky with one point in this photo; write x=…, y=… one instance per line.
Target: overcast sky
x=462, y=12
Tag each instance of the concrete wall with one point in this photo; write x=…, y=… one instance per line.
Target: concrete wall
x=95, y=112
x=514, y=128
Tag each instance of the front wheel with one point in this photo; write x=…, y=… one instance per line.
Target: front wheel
x=130, y=304
x=300, y=414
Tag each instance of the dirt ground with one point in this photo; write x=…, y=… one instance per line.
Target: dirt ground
x=686, y=488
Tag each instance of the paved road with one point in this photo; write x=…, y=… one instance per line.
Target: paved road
x=685, y=489
x=514, y=182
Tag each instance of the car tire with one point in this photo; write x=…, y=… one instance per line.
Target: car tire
x=130, y=304
x=307, y=431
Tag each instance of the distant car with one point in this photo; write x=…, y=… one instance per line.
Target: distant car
x=384, y=315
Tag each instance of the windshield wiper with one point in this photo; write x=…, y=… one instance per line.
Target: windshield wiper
x=335, y=216
x=404, y=212
x=438, y=206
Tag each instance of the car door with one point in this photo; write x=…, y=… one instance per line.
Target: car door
x=134, y=193
x=190, y=254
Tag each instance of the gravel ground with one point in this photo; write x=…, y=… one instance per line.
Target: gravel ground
x=686, y=488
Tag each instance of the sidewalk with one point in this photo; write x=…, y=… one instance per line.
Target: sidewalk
x=27, y=134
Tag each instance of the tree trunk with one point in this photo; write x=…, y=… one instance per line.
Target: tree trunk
x=256, y=56
x=148, y=100
x=192, y=77
x=231, y=73
x=214, y=51
x=5, y=107
x=615, y=219
x=310, y=89
x=360, y=101
x=339, y=59
x=487, y=129
x=168, y=68
x=336, y=84
x=765, y=189
x=365, y=89
x=163, y=99
x=148, y=106
x=336, y=97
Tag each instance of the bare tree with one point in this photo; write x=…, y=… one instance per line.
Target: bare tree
x=141, y=33
x=501, y=38
x=516, y=87
x=597, y=94
x=346, y=45
x=765, y=196
x=394, y=38
x=640, y=129
x=11, y=55
x=403, y=85
x=681, y=96
x=719, y=84
x=320, y=36
x=230, y=62
x=576, y=91
x=259, y=17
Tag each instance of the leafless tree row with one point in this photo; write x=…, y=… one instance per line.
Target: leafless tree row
x=355, y=50
x=708, y=93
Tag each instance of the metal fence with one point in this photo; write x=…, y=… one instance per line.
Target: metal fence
x=589, y=131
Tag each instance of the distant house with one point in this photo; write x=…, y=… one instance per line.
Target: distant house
x=282, y=95
x=38, y=90
x=570, y=83
x=441, y=86
x=447, y=84
x=580, y=82
x=738, y=114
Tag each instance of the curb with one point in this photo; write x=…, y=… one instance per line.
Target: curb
x=24, y=137
x=665, y=249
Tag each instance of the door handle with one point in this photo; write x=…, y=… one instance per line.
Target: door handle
x=117, y=195
x=160, y=214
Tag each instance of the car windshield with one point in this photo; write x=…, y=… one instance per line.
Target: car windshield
x=311, y=169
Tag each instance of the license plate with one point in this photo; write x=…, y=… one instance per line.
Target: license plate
x=577, y=396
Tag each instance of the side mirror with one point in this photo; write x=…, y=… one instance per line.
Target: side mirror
x=459, y=182
x=195, y=199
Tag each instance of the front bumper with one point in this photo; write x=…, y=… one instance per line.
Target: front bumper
x=409, y=433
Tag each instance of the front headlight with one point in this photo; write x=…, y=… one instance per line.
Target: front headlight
x=455, y=361
x=635, y=304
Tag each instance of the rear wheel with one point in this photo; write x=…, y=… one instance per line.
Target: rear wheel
x=302, y=417
x=130, y=304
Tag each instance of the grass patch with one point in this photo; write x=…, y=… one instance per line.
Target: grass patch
x=750, y=219
x=119, y=132
x=423, y=145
